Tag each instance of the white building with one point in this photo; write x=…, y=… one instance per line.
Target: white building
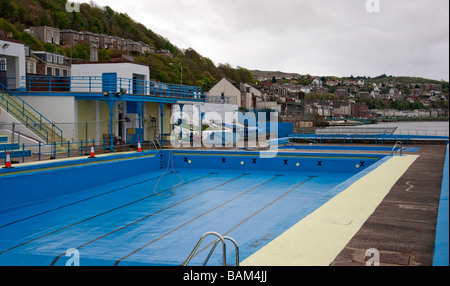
x=73, y=114
x=13, y=53
x=106, y=74
x=316, y=82
x=224, y=90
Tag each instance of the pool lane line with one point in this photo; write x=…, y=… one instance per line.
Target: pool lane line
x=100, y=214
x=317, y=239
x=148, y=216
x=257, y=212
x=193, y=219
x=80, y=201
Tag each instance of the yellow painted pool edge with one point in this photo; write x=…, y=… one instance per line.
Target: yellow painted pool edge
x=88, y=161
x=318, y=238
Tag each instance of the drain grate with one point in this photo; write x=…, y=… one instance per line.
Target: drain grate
x=393, y=258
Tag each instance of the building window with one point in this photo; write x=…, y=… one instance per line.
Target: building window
x=27, y=51
x=56, y=72
x=49, y=71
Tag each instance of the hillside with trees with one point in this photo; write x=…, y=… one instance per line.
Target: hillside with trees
x=18, y=15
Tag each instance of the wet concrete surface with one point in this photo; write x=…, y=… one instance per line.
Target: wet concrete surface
x=403, y=227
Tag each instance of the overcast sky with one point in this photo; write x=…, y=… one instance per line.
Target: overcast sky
x=322, y=37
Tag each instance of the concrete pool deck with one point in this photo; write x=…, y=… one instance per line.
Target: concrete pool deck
x=317, y=239
x=393, y=209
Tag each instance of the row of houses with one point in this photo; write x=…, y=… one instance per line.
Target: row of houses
x=390, y=113
x=69, y=37
x=343, y=109
x=116, y=98
x=249, y=96
x=289, y=103
x=45, y=63
x=287, y=99
x=350, y=109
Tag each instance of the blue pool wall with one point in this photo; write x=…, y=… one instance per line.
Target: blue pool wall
x=441, y=248
x=26, y=185
x=283, y=162
x=30, y=184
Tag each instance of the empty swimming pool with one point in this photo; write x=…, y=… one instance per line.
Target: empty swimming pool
x=151, y=208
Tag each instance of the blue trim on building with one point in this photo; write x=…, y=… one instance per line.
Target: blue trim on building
x=441, y=254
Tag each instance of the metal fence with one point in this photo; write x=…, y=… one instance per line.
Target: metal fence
x=356, y=130
x=99, y=84
x=25, y=145
x=27, y=114
x=22, y=152
x=368, y=130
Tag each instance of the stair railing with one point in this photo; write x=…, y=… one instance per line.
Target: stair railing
x=35, y=121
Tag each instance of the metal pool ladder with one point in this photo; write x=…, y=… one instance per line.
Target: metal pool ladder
x=220, y=238
x=398, y=143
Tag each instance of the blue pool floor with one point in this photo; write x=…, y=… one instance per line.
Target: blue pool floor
x=129, y=222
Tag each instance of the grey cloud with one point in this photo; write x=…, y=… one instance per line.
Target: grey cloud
x=326, y=37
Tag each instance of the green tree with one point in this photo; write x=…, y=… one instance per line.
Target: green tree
x=78, y=23
x=7, y=9
x=31, y=41
x=416, y=105
x=10, y=28
x=80, y=51
x=61, y=20
x=400, y=105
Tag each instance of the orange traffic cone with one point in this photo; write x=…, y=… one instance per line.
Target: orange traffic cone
x=92, y=152
x=8, y=161
x=139, y=146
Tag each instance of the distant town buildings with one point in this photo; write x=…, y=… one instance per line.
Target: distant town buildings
x=45, y=63
x=46, y=34
x=69, y=37
x=290, y=99
x=297, y=98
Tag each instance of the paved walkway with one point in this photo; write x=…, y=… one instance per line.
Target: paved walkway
x=392, y=209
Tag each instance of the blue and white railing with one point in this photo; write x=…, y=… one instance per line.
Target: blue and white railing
x=28, y=116
x=98, y=84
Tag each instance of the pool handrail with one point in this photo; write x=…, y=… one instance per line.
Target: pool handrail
x=401, y=148
x=219, y=238
x=214, y=248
